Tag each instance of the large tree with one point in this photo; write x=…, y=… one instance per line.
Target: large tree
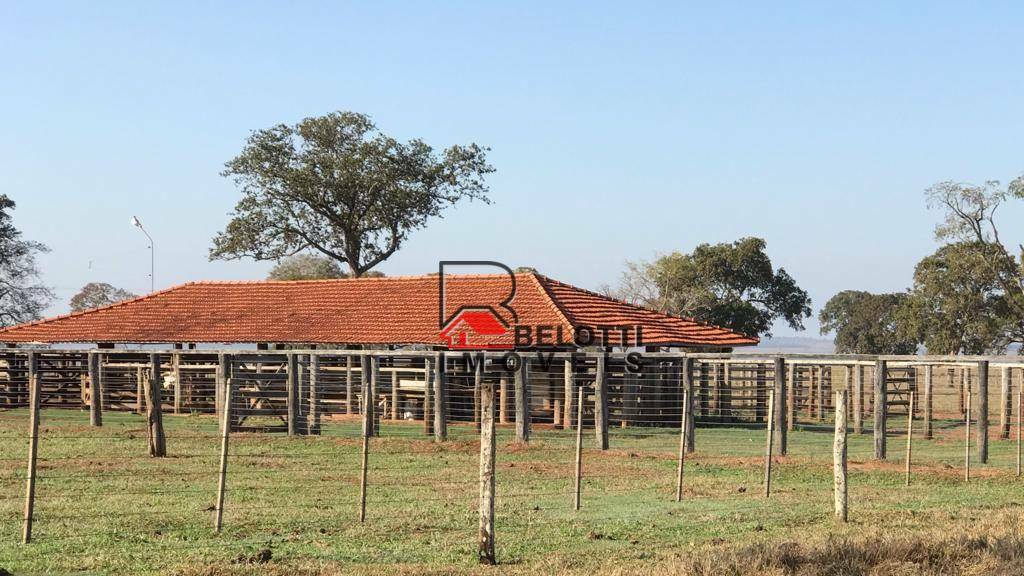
x=866, y=323
x=970, y=216
x=336, y=185
x=733, y=285
x=22, y=296
x=96, y=294
x=958, y=304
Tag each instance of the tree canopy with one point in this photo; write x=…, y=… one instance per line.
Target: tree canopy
x=306, y=267
x=23, y=297
x=958, y=304
x=732, y=285
x=969, y=213
x=336, y=185
x=96, y=294
x=866, y=323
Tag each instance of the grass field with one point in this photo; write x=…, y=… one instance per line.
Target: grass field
x=103, y=506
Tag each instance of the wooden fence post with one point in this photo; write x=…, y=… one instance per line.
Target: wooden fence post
x=478, y=398
x=428, y=398
x=688, y=406
x=396, y=396
x=578, y=484
x=154, y=410
x=1020, y=416
x=769, y=441
x=374, y=397
x=982, y=417
x=791, y=396
x=929, y=394
x=95, y=390
x=1006, y=404
x=881, y=408
x=503, y=400
x=485, y=548
x=601, y=402
x=35, y=395
x=348, y=385
x=368, y=410
x=313, y=420
x=839, y=457
x=219, y=385
x=225, y=432
x=522, y=391
x=569, y=389
x=440, y=399
x=140, y=391
x=967, y=438
x=910, y=435
x=684, y=424
x=292, y=389
x=781, y=403
x=176, y=372
x=858, y=398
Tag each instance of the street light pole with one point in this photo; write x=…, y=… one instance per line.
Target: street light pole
x=152, y=257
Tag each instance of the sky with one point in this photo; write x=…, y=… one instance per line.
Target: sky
x=619, y=131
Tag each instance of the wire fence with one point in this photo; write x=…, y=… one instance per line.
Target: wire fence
x=383, y=457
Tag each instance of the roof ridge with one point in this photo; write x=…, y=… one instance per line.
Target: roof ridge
x=360, y=279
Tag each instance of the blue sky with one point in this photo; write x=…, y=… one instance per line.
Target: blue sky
x=618, y=131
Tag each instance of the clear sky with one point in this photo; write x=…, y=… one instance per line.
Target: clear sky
x=619, y=131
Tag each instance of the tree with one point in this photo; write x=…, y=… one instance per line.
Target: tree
x=866, y=323
x=22, y=297
x=730, y=285
x=96, y=294
x=958, y=304
x=970, y=217
x=336, y=185
x=306, y=267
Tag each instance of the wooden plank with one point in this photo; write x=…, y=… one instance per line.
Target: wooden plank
x=154, y=410
x=683, y=444
x=910, y=437
x=569, y=389
x=440, y=398
x=881, y=409
x=929, y=393
x=95, y=391
x=689, y=405
x=769, y=441
x=839, y=458
x=1005, y=404
x=601, y=403
x=315, y=406
x=35, y=395
x=578, y=483
x=982, y=417
x=222, y=478
x=485, y=538
x=781, y=405
x=522, y=393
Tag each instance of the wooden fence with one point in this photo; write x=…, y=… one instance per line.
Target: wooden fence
x=296, y=392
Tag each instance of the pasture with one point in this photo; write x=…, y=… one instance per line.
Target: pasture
x=104, y=506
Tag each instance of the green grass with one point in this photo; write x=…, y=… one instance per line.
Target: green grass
x=103, y=506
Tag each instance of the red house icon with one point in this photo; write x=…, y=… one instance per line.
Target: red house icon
x=475, y=328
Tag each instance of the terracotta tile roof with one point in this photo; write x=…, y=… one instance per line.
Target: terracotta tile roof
x=395, y=310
